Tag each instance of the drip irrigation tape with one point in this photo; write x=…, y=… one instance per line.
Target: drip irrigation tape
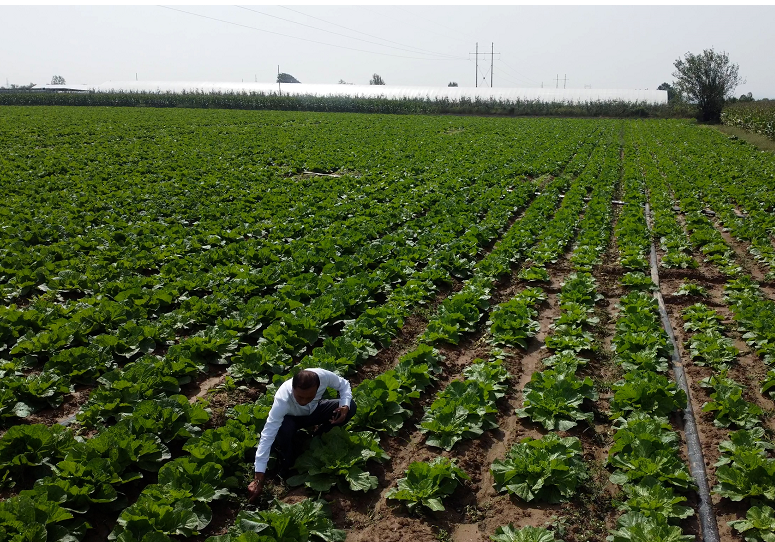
x=708, y=522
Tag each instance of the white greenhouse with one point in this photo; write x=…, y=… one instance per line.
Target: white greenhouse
x=574, y=95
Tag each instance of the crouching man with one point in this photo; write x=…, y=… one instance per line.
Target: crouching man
x=297, y=404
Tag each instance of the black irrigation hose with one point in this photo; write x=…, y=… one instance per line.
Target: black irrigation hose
x=696, y=460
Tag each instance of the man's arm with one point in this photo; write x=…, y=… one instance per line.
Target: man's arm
x=268, y=434
x=273, y=422
x=341, y=385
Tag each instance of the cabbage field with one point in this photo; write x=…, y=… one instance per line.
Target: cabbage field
x=757, y=117
x=555, y=329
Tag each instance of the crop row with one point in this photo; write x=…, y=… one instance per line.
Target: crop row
x=733, y=184
x=645, y=452
x=595, y=227
x=632, y=236
x=744, y=469
x=554, y=396
x=666, y=228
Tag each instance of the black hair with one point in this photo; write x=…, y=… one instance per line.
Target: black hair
x=304, y=380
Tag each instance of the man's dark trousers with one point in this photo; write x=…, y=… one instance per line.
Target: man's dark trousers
x=321, y=417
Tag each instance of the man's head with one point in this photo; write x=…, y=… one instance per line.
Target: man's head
x=305, y=386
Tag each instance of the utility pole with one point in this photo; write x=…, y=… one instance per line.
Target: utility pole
x=564, y=81
x=557, y=84
x=492, y=58
x=492, y=48
x=279, y=88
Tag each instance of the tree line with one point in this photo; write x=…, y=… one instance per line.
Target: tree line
x=707, y=80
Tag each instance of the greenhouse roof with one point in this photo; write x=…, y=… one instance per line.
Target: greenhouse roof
x=394, y=92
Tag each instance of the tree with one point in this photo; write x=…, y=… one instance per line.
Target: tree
x=452, y=84
x=286, y=78
x=743, y=98
x=376, y=79
x=343, y=82
x=13, y=86
x=707, y=79
x=672, y=93
x=58, y=80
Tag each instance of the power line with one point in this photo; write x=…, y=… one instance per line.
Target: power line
x=364, y=33
x=343, y=35
x=427, y=30
x=295, y=37
x=434, y=22
x=507, y=78
x=516, y=73
x=518, y=83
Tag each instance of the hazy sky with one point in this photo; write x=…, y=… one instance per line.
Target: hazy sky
x=628, y=47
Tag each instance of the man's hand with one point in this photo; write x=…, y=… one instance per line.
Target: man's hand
x=340, y=415
x=255, y=487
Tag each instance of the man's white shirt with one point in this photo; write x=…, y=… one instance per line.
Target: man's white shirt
x=285, y=405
